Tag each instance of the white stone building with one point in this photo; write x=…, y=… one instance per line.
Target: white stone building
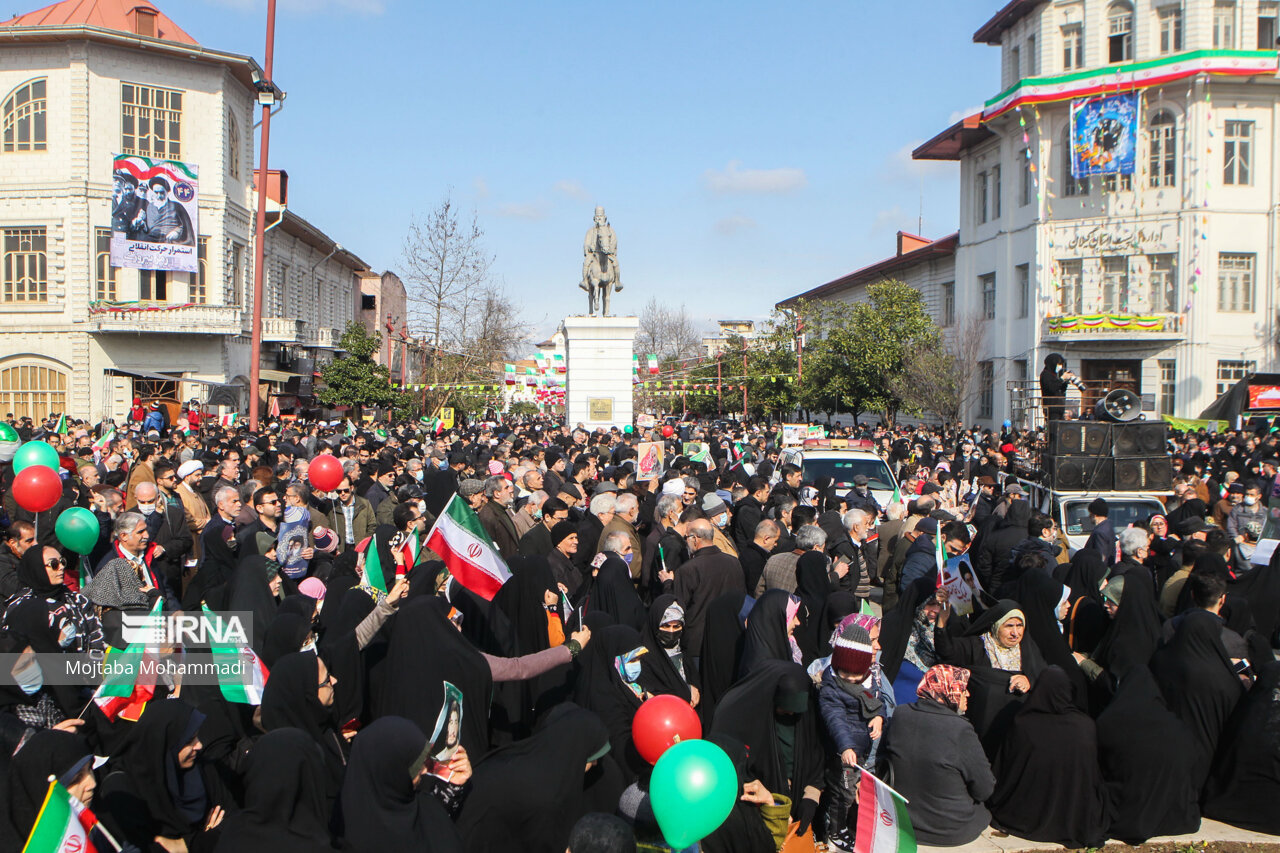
x=1163, y=281
x=81, y=81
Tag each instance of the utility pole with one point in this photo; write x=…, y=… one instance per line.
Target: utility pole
x=719, y=390
x=267, y=100
x=744, y=385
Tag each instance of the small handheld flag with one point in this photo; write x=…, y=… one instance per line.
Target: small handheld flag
x=883, y=823
x=467, y=551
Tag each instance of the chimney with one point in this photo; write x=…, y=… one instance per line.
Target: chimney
x=910, y=242
x=277, y=185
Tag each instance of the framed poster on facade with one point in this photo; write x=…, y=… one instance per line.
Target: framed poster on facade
x=1104, y=135
x=154, y=215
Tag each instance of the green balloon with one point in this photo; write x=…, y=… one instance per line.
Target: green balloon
x=692, y=790
x=628, y=429
x=9, y=442
x=35, y=453
x=77, y=528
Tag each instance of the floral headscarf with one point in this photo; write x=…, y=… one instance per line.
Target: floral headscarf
x=944, y=683
x=793, y=609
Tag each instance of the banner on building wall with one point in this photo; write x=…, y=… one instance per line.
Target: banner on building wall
x=1104, y=135
x=154, y=214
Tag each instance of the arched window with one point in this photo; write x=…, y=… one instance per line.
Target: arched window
x=233, y=145
x=1070, y=186
x=1120, y=32
x=1163, y=133
x=33, y=388
x=24, y=117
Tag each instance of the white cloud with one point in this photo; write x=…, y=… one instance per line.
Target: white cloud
x=899, y=166
x=531, y=211
x=481, y=188
x=572, y=189
x=735, y=179
x=730, y=225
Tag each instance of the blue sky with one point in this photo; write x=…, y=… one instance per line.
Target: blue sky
x=744, y=152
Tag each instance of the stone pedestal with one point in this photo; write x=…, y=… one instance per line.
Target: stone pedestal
x=599, y=370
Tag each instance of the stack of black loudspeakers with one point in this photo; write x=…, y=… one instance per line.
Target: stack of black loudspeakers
x=1096, y=456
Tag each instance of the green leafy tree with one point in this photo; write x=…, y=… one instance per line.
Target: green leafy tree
x=523, y=408
x=355, y=380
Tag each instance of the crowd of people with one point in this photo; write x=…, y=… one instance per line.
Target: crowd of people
x=1123, y=691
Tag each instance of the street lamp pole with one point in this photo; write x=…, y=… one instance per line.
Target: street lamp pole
x=259, y=247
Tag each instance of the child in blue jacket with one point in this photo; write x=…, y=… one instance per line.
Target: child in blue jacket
x=855, y=706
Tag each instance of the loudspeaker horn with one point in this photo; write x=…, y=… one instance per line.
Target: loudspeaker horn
x=1119, y=406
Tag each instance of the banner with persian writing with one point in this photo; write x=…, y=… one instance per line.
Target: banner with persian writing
x=154, y=214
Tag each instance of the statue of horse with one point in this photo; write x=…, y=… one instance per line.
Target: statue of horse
x=600, y=274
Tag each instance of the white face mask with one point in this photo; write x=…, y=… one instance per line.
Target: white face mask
x=1250, y=500
x=146, y=509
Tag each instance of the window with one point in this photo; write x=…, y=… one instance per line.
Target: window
x=988, y=284
x=104, y=274
x=1115, y=284
x=949, y=303
x=24, y=118
x=25, y=265
x=1024, y=289
x=1168, y=385
x=1033, y=66
x=1235, y=282
x=1028, y=189
x=1267, y=25
x=144, y=22
x=1224, y=25
x=1072, y=47
x=980, y=196
x=1169, y=22
x=1020, y=369
x=1120, y=32
x=1015, y=62
x=986, y=389
x=1071, y=299
x=996, y=192
x=236, y=296
x=200, y=284
x=150, y=121
x=1231, y=372
x=233, y=146
x=1163, y=280
x=32, y=391
x=154, y=286
x=1164, y=149
x=1114, y=183
x=1237, y=153
x=1071, y=186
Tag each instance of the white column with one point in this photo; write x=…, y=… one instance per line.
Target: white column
x=599, y=371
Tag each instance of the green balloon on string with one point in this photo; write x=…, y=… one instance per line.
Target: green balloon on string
x=35, y=453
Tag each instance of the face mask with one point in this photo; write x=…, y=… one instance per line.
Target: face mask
x=670, y=639
x=422, y=507
x=147, y=509
x=443, y=464
x=417, y=475
x=1250, y=500
x=721, y=520
x=626, y=558
x=628, y=665
x=30, y=678
x=537, y=515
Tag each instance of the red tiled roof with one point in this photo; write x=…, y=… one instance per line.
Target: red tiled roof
x=879, y=270
x=109, y=14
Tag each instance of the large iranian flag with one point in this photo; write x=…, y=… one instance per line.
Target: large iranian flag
x=467, y=551
x=247, y=690
x=883, y=823
x=62, y=825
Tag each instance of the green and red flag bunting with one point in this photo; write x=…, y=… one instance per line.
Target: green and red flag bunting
x=510, y=374
x=653, y=364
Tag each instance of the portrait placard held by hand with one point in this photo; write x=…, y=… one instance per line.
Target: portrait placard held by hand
x=154, y=214
x=447, y=735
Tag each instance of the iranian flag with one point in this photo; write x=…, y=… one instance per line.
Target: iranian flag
x=101, y=444
x=510, y=374
x=653, y=364
x=229, y=420
x=940, y=557
x=246, y=690
x=61, y=426
x=883, y=823
x=123, y=694
x=558, y=360
x=63, y=824
x=467, y=550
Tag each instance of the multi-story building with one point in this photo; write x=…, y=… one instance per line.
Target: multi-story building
x=726, y=329
x=1162, y=281
x=80, y=82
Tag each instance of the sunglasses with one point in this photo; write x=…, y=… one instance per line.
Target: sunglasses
x=56, y=562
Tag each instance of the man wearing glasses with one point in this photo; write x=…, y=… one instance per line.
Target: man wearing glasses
x=353, y=516
x=266, y=504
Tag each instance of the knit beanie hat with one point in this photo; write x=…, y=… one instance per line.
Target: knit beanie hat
x=851, y=650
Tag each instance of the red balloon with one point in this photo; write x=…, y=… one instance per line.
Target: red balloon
x=661, y=723
x=325, y=473
x=668, y=430
x=37, y=488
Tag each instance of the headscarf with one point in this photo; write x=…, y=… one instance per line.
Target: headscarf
x=46, y=753
x=722, y=643
x=381, y=810
x=905, y=633
x=33, y=575
x=248, y=591
x=1245, y=782
x=1000, y=656
x=285, y=635
x=174, y=799
x=944, y=684
x=285, y=809
x=658, y=670
x=812, y=588
x=766, y=636
x=291, y=700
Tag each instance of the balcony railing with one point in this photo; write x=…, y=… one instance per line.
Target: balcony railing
x=323, y=338
x=281, y=330
x=142, y=317
x=1105, y=326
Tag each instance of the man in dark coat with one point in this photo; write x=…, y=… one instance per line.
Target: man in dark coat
x=537, y=541
x=757, y=552
x=998, y=544
x=496, y=518
x=1103, y=537
x=749, y=512
x=218, y=556
x=707, y=575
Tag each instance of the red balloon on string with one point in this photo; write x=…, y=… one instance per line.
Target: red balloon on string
x=37, y=488
x=661, y=723
x=668, y=431
x=325, y=473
